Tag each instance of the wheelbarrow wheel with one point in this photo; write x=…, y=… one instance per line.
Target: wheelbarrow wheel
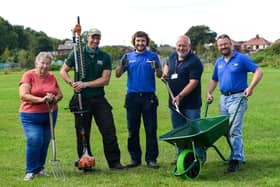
x=187, y=165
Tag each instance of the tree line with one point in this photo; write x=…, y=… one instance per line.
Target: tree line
x=20, y=45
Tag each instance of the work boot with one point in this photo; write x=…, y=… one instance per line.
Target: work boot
x=117, y=166
x=133, y=164
x=233, y=166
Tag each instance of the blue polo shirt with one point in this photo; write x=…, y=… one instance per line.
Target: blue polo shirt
x=141, y=75
x=232, y=75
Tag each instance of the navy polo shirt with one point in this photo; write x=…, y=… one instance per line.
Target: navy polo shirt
x=141, y=75
x=232, y=75
x=190, y=68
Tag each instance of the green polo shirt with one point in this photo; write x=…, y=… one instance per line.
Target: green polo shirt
x=93, y=68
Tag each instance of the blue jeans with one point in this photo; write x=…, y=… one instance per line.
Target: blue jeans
x=144, y=105
x=36, y=128
x=228, y=106
x=178, y=121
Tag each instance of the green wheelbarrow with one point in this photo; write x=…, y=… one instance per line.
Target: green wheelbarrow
x=201, y=133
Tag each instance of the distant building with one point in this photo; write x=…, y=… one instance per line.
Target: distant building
x=64, y=49
x=255, y=44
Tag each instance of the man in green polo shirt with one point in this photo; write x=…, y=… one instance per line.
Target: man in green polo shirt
x=97, y=72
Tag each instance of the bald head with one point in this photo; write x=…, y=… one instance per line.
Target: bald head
x=185, y=39
x=183, y=46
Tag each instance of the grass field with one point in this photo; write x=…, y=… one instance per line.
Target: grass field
x=261, y=139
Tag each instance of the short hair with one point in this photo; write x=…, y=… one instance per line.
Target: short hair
x=44, y=54
x=140, y=34
x=222, y=36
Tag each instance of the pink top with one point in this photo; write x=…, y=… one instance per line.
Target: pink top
x=40, y=86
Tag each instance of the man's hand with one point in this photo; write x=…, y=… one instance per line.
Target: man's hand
x=209, y=98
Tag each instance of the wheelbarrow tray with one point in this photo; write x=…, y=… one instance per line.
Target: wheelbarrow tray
x=203, y=132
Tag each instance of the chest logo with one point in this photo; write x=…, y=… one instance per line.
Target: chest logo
x=99, y=62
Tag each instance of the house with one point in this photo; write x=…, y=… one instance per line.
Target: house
x=64, y=49
x=255, y=44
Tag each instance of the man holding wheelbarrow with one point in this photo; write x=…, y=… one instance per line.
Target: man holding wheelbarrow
x=231, y=71
x=182, y=74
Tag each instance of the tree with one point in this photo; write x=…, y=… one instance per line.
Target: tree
x=201, y=35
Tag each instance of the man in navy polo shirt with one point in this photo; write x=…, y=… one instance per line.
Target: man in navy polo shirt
x=183, y=72
x=141, y=66
x=231, y=72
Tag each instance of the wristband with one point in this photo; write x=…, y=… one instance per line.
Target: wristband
x=85, y=84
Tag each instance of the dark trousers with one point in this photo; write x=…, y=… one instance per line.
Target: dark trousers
x=101, y=110
x=145, y=105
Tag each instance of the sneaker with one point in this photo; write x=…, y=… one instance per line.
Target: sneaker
x=117, y=166
x=153, y=165
x=29, y=176
x=42, y=173
x=233, y=166
x=133, y=164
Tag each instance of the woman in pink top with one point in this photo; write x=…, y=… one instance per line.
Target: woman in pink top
x=37, y=89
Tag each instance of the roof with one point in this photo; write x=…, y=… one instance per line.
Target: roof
x=257, y=41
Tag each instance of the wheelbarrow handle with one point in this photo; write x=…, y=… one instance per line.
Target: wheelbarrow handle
x=237, y=109
x=206, y=107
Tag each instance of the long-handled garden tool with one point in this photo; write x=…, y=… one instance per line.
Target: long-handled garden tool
x=86, y=162
x=172, y=97
x=56, y=166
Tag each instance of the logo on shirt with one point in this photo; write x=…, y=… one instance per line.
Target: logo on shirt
x=148, y=61
x=100, y=62
x=220, y=66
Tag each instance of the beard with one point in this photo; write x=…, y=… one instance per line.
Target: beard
x=140, y=48
x=226, y=52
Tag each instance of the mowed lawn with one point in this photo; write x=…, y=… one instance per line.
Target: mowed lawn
x=261, y=140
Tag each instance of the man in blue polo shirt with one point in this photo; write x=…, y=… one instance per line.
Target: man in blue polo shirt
x=183, y=72
x=231, y=72
x=141, y=66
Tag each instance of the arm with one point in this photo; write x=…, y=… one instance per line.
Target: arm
x=157, y=67
x=59, y=95
x=65, y=75
x=256, y=79
x=211, y=87
x=25, y=95
x=158, y=72
x=119, y=71
x=123, y=63
x=165, y=71
x=187, y=90
x=100, y=82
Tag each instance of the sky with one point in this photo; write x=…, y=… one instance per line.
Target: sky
x=163, y=20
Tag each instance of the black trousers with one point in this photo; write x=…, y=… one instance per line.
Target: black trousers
x=101, y=110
